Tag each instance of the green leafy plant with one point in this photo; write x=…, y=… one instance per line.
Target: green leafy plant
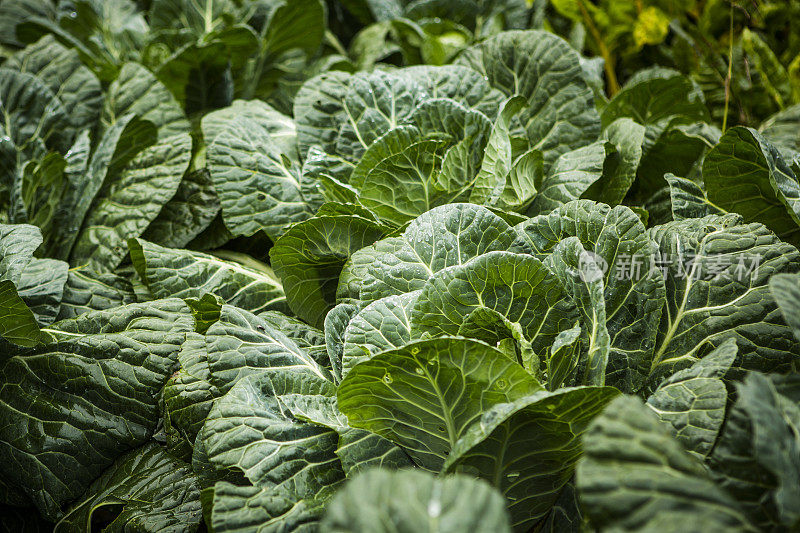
x=274, y=265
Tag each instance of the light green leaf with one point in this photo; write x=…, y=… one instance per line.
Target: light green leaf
x=424, y=395
x=415, y=502
x=462, y=84
x=241, y=509
x=373, y=104
x=319, y=111
x=518, y=287
x=444, y=236
x=563, y=358
x=382, y=325
x=310, y=255
x=336, y=322
x=570, y=176
x=560, y=113
x=781, y=130
x=17, y=322
x=17, y=244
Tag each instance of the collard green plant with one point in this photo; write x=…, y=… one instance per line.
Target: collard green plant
x=392, y=265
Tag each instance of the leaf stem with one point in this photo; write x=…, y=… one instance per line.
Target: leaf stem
x=730, y=72
x=608, y=60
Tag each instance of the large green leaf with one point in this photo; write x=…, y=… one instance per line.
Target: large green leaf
x=747, y=175
x=184, y=274
x=425, y=395
x=310, y=255
x=382, y=325
x=516, y=286
x=336, y=322
x=62, y=72
x=415, y=502
x=69, y=408
x=130, y=200
x=257, y=178
x=636, y=477
x=156, y=491
x=401, y=187
x=693, y=400
x=757, y=459
x=560, y=115
x=197, y=16
x=250, y=430
x=634, y=295
x=528, y=448
x=136, y=90
x=240, y=343
x=188, y=213
x=716, y=275
x=444, y=236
